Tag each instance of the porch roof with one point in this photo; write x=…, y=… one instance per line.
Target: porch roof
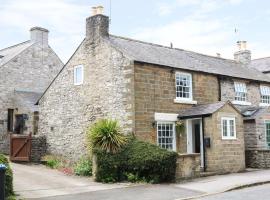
x=201, y=110
x=26, y=100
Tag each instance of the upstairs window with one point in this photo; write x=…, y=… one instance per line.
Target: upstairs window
x=240, y=91
x=228, y=128
x=183, y=86
x=265, y=94
x=78, y=75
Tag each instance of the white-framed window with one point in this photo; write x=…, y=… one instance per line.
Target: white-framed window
x=240, y=91
x=265, y=94
x=166, y=135
x=267, y=131
x=78, y=75
x=228, y=128
x=183, y=83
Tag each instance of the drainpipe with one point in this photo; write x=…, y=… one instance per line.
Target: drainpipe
x=204, y=155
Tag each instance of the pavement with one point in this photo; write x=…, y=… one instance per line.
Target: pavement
x=261, y=192
x=223, y=183
x=39, y=182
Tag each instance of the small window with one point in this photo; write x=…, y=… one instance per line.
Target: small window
x=166, y=135
x=267, y=127
x=183, y=86
x=228, y=128
x=265, y=94
x=78, y=75
x=240, y=91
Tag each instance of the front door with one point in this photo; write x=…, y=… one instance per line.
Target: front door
x=197, y=137
x=19, y=124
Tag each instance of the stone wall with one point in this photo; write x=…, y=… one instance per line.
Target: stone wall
x=224, y=155
x=31, y=70
x=228, y=91
x=67, y=110
x=155, y=92
x=188, y=166
x=258, y=158
x=39, y=148
x=255, y=131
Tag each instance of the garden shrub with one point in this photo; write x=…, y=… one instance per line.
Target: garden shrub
x=83, y=167
x=137, y=161
x=8, y=175
x=106, y=135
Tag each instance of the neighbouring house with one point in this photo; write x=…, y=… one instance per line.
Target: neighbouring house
x=180, y=100
x=26, y=71
x=261, y=64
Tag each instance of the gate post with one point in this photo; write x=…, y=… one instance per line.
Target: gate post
x=2, y=181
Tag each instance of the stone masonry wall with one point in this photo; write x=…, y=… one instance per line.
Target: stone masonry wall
x=39, y=148
x=31, y=70
x=224, y=155
x=258, y=158
x=228, y=91
x=67, y=110
x=155, y=92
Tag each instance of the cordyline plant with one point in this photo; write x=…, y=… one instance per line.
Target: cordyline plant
x=106, y=135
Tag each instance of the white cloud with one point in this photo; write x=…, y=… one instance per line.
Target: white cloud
x=64, y=19
x=164, y=9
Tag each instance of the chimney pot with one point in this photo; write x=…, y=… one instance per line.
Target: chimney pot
x=100, y=10
x=94, y=11
x=218, y=55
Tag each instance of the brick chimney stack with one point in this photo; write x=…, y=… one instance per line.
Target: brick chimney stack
x=242, y=55
x=39, y=35
x=97, y=25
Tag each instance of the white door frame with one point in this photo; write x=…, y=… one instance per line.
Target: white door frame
x=190, y=138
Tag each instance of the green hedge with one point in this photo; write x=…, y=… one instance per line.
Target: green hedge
x=9, y=176
x=139, y=160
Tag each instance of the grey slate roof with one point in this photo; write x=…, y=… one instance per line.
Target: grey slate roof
x=200, y=110
x=254, y=112
x=26, y=99
x=10, y=52
x=261, y=64
x=179, y=58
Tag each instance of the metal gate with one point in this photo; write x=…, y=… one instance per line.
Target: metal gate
x=20, y=147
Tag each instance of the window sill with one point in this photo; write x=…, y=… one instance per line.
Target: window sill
x=264, y=104
x=185, y=101
x=243, y=103
x=229, y=138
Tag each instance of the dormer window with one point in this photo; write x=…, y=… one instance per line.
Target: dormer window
x=78, y=75
x=240, y=91
x=1, y=57
x=265, y=94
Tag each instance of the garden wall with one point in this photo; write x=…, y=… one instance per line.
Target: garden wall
x=188, y=166
x=258, y=158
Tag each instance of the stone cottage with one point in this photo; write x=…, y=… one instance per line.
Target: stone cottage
x=180, y=100
x=26, y=71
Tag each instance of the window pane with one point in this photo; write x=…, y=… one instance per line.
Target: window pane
x=183, y=85
x=78, y=75
x=240, y=91
x=224, y=128
x=165, y=134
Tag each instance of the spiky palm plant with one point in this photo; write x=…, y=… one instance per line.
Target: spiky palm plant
x=106, y=135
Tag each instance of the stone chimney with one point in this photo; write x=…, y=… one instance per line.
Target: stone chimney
x=97, y=25
x=242, y=55
x=39, y=35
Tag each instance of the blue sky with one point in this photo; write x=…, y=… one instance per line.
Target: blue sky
x=205, y=26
